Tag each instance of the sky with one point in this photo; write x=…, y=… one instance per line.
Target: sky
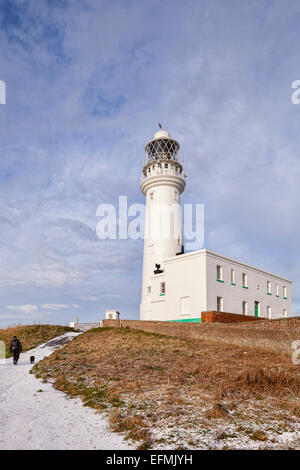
x=87, y=82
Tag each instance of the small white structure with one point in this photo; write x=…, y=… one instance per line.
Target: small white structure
x=178, y=286
x=112, y=315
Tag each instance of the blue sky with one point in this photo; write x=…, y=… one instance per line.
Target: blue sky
x=87, y=83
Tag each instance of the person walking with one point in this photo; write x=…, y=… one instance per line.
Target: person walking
x=15, y=349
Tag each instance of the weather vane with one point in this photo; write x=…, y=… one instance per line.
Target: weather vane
x=160, y=126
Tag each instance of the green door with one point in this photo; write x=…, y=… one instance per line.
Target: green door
x=256, y=308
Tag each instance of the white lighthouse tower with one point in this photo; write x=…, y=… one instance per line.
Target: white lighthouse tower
x=162, y=183
x=180, y=288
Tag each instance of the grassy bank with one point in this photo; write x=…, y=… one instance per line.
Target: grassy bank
x=31, y=335
x=168, y=392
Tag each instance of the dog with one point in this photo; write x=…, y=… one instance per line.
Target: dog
x=32, y=358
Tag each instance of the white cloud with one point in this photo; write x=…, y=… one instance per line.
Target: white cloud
x=26, y=309
x=116, y=296
x=55, y=306
x=10, y=317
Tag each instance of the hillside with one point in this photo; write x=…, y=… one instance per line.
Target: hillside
x=169, y=392
x=31, y=335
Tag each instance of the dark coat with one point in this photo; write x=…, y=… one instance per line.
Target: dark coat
x=15, y=346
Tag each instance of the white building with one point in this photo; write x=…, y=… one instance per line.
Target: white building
x=112, y=315
x=178, y=286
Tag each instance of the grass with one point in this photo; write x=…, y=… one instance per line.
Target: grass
x=172, y=391
x=217, y=411
x=31, y=335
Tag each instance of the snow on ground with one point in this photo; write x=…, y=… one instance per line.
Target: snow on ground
x=34, y=415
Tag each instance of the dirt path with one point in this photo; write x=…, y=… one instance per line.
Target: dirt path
x=34, y=415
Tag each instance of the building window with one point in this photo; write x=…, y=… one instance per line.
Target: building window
x=148, y=290
x=245, y=280
x=245, y=307
x=184, y=305
x=269, y=312
x=219, y=273
x=269, y=287
x=277, y=290
x=233, y=277
x=162, y=288
x=166, y=165
x=285, y=312
x=220, y=304
x=284, y=292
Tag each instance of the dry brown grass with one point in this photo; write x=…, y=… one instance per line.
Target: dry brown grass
x=133, y=425
x=144, y=379
x=217, y=411
x=31, y=335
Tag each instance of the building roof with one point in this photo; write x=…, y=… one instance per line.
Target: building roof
x=204, y=251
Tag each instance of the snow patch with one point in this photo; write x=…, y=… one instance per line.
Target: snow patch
x=34, y=415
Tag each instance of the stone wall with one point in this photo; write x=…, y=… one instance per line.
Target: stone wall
x=111, y=323
x=214, y=316
x=272, y=335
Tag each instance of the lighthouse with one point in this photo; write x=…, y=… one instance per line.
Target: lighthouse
x=162, y=182
x=179, y=286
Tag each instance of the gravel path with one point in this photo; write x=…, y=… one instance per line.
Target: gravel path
x=34, y=415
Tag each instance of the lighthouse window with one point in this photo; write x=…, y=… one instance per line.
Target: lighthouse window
x=166, y=165
x=162, y=288
x=148, y=290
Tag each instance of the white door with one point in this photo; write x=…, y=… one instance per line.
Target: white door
x=184, y=305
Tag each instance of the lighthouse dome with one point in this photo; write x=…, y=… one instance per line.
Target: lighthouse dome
x=162, y=147
x=162, y=134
